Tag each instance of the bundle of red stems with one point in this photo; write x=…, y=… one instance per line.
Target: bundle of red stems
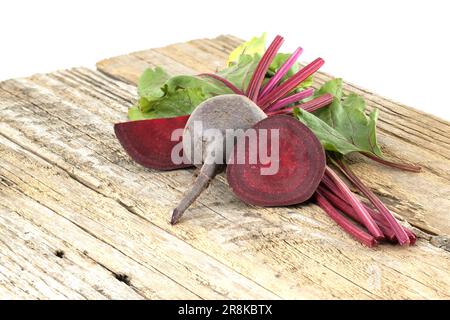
x=275, y=97
x=366, y=224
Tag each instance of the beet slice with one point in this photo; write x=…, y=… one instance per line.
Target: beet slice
x=148, y=141
x=301, y=166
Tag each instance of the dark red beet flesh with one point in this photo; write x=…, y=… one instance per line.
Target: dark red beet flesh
x=148, y=142
x=301, y=167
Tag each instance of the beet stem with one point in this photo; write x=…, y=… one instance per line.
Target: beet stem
x=335, y=197
x=310, y=106
x=412, y=236
x=207, y=172
x=342, y=205
x=348, y=226
x=261, y=69
x=291, y=83
x=317, y=103
x=400, y=233
x=291, y=99
x=397, y=165
x=365, y=217
x=287, y=65
x=224, y=81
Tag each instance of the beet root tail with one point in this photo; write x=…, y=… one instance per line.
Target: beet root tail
x=207, y=172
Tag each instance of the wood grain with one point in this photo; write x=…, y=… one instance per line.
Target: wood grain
x=67, y=186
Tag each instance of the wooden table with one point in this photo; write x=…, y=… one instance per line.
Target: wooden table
x=79, y=219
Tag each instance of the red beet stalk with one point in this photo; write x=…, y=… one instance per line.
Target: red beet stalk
x=338, y=201
x=333, y=194
x=261, y=69
x=384, y=224
x=357, y=205
x=290, y=84
x=342, y=205
x=348, y=226
x=310, y=106
x=291, y=99
x=401, y=166
x=224, y=81
x=287, y=65
x=400, y=233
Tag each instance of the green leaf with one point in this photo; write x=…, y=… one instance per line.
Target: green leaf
x=241, y=72
x=333, y=87
x=162, y=96
x=208, y=86
x=347, y=116
x=255, y=46
x=150, y=83
x=178, y=103
x=135, y=113
x=330, y=138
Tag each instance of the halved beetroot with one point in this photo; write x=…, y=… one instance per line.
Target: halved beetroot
x=148, y=142
x=301, y=166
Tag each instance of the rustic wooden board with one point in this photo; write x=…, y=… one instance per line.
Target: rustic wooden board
x=66, y=186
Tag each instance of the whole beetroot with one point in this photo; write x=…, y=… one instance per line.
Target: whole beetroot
x=205, y=139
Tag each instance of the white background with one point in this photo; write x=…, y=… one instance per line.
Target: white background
x=399, y=49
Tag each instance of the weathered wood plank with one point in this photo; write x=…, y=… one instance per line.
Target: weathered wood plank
x=153, y=273
x=58, y=150
x=422, y=199
x=46, y=276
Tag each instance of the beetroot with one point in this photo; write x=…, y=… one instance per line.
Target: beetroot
x=290, y=173
x=207, y=141
x=148, y=142
x=301, y=166
x=215, y=116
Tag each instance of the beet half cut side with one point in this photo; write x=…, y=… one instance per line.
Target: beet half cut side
x=301, y=166
x=148, y=142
